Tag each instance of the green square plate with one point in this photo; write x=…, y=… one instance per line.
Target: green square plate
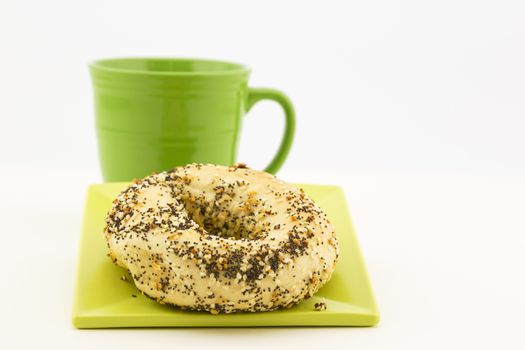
x=103, y=300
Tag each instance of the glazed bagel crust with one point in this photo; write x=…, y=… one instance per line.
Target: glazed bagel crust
x=221, y=239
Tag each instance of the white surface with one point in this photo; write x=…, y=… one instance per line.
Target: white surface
x=445, y=255
x=380, y=85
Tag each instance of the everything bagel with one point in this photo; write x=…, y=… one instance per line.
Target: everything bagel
x=221, y=239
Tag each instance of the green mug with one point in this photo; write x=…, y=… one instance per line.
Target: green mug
x=153, y=114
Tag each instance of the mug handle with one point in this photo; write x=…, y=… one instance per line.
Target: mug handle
x=257, y=94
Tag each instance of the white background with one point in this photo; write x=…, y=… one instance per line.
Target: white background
x=416, y=107
x=378, y=85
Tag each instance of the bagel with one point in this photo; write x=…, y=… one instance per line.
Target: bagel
x=221, y=239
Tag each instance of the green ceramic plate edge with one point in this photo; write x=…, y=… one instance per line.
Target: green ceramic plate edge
x=102, y=300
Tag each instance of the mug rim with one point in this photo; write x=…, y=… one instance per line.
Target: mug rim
x=102, y=65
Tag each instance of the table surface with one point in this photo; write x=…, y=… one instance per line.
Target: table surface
x=446, y=256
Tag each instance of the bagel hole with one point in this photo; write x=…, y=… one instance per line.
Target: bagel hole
x=218, y=218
